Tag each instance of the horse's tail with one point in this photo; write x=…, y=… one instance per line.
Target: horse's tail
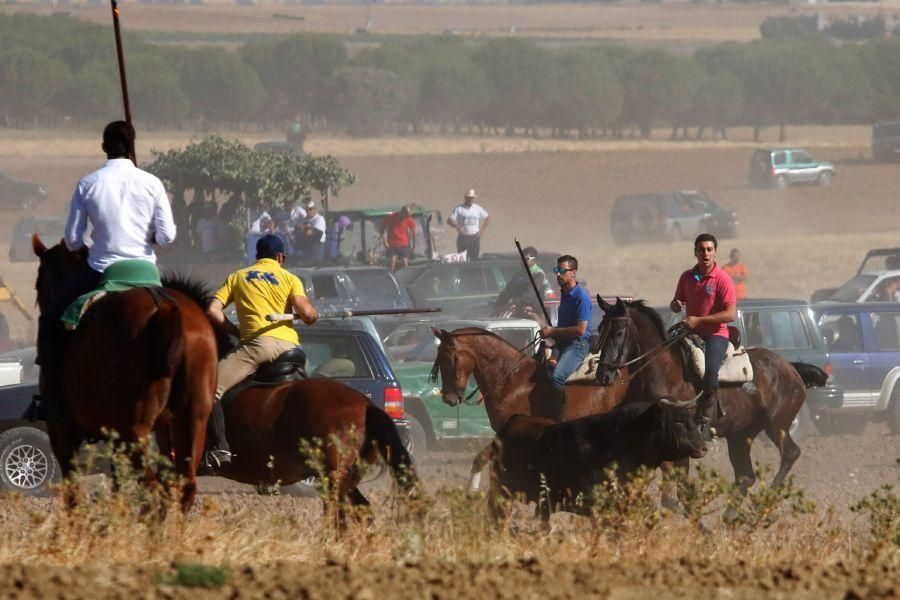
x=167, y=341
x=811, y=375
x=381, y=431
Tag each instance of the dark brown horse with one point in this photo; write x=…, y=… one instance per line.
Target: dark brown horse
x=265, y=426
x=769, y=403
x=139, y=362
x=507, y=380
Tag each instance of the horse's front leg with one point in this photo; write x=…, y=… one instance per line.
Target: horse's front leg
x=65, y=440
x=744, y=477
x=478, y=464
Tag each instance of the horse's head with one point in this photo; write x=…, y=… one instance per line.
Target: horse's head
x=454, y=365
x=58, y=272
x=618, y=340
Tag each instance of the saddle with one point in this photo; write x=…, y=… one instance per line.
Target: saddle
x=289, y=366
x=586, y=373
x=736, y=369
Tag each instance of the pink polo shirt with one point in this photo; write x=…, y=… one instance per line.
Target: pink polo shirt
x=706, y=295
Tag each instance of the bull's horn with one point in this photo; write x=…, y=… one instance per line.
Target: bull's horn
x=670, y=403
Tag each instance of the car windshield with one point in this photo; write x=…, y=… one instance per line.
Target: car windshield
x=378, y=286
x=853, y=289
x=880, y=262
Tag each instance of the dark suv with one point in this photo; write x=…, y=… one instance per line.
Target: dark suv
x=885, y=140
x=15, y=193
x=669, y=216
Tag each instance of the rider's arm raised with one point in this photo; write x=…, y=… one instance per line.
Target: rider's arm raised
x=216, y=312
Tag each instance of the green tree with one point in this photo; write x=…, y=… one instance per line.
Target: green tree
x=28, y=81
x=92, y=93
x=589, y=96
x=366, y=101
x=155, y=91
x=220, y=86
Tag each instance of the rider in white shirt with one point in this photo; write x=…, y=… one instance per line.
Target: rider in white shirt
x=128, y=211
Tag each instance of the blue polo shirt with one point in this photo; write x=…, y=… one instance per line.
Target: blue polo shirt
x=574, y=306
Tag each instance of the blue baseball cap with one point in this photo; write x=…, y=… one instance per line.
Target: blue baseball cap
x=269, y=245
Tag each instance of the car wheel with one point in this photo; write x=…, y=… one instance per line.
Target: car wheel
x=893, y=411
x=825, y=178
x=27, y=464
x=781, y=182
x=802, y=425
x=418, y=439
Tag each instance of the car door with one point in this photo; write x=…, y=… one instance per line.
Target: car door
x=884, y=346
x=802, y=166
x=844, y=336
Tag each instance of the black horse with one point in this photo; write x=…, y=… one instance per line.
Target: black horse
x=769, y=403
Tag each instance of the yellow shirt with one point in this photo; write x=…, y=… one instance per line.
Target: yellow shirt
x=261, y=289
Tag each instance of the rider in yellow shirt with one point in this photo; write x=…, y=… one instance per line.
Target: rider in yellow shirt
x=256, y=291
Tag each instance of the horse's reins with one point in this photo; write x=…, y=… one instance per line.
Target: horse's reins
x=679, y=334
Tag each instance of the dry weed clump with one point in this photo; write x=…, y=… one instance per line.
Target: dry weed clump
x=774, y=527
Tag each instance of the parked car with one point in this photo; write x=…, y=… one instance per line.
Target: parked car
x=50, y=229
x=464, y=289
x=15, y=193
x=788, y=327
x=879, y=265
x=346, y=353
x=413, y=349
x=669, y=216
x=11, y=371
x=25, y=357
x=356, y=288
x=885, y=140
x=864, y=342
x=361, y=243
x=781, y=167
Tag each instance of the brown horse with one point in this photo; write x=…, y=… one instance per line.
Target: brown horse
x=632, y=330
x=507, y=380
x=139, y=362
x=266, y=424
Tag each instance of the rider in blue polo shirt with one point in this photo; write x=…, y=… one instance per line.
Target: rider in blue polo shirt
x=573, y=325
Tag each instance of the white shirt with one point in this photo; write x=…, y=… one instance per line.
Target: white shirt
x=468, y=219
x=126, y=208
x=317, y=222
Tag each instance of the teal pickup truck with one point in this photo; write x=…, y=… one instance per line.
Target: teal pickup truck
x=412, y=348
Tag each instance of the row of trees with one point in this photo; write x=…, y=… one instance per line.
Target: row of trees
x=56, y=68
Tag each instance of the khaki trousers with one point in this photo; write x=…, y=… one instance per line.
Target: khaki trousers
x=244, y=361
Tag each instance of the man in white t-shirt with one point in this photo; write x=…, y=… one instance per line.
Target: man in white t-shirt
x=312, y=234
x=470, y=220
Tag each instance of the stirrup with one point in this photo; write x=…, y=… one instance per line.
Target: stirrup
x=218, y=459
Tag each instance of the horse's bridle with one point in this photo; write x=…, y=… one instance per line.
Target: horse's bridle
x=678, y=334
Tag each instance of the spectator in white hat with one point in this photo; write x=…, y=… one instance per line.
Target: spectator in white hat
x=312, y=234
x=470, y=220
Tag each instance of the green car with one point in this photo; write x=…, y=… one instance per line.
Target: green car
x=412, y=348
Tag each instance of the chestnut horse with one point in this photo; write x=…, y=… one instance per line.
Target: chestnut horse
x=507, y=380
x=140, y=361
x=266, y=424
x=633, y=333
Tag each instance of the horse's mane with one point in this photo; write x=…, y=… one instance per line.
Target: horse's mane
x=198, y=292
x=640, y=306
x=467, y=331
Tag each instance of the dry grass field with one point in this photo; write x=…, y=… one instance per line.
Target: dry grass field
x=676, y=22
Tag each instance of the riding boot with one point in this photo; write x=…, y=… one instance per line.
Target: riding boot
x=705, y=406
x=219, y=455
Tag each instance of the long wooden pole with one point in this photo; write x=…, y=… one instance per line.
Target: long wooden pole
x=122, y=79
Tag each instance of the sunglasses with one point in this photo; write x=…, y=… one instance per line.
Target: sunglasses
x=562, y=270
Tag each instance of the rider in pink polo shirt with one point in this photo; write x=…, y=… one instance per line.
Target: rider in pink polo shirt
x=708, y=293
